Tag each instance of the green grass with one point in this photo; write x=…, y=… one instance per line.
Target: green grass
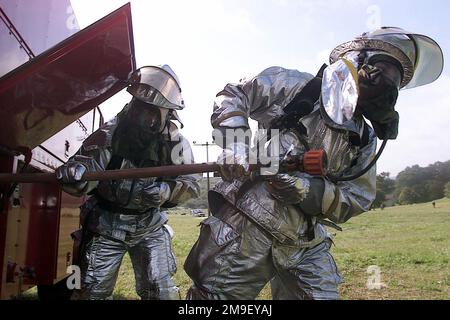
x=410, y=245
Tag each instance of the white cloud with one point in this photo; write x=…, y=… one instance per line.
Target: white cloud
x=198, y=39
x=209, y=44
x=320, y=4
x=88, y=11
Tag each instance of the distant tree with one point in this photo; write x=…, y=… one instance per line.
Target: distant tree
x=408, y=196
x=435, y=190
x=427, y=183
x=385, y=187
x=447, y=189
x=421, y=191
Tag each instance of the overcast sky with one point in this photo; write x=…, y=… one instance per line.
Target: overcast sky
x=210, y=43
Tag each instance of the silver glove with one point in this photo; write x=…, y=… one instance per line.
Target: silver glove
x=288, y=189
x=155, y=195
x=233, y=162
x=71, y=172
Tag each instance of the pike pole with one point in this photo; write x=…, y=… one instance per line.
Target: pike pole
x=312, y=162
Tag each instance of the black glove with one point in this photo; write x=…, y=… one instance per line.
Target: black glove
x=377, y=98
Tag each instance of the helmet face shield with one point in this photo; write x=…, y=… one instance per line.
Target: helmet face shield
x=420, y=57
x=430, y=61
x=157, y=86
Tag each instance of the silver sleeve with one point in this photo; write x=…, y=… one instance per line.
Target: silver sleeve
x=261, y=98
x=344, y=200
x=184, y=187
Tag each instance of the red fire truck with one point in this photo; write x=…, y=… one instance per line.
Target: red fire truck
x=53, y=77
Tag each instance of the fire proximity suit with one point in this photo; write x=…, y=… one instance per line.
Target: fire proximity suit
x=272, y=228
x=125, y=215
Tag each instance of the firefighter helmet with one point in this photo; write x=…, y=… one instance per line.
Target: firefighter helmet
x=156, y=85
x=419, y=56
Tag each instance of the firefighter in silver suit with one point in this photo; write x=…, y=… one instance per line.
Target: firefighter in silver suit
x=271, y=228
x=125, y=216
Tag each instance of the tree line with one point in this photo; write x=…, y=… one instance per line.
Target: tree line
x=414, y=185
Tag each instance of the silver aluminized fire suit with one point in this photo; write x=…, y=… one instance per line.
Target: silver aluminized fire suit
x=119, y=217
x=252, y=238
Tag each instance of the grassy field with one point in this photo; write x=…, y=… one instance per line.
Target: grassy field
x=410, y=245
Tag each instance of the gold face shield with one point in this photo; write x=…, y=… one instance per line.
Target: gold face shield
x=340, y=90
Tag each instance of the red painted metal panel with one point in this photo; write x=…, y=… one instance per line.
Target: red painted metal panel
x=48, y=93
x=69, y=221
x=6, y=165
x=43, y=231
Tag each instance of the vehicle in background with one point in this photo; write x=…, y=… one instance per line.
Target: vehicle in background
x=198, y=213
